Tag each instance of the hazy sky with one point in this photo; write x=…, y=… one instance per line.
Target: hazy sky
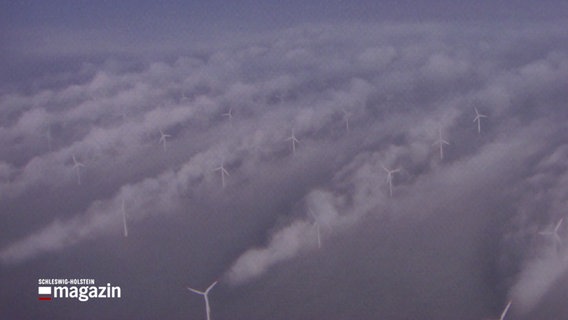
x=310, y=234
x=135, y=23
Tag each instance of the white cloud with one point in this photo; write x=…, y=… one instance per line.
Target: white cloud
x=377, y=57
x=284, y=244
x=537, y=277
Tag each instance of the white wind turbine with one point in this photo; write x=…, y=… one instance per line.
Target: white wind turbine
x=224, y=173
x=554, y=233
x=124, y=219
x=294, y=141
x=123, y=114
x=48, y=134
x=280, y=97
x=317, y=225
x=163, y=138
x=478, y=117
x=77, y=167
x=205, y=295
x=346, y=117
x=441, y=142
x=228, y=114
x=389, y=177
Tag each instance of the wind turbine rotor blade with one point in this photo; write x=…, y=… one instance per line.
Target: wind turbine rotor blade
x=558, y=225
x=124, y=219
x=196, y=291
x=311, y=212
x=505, y=311
x=211, y=287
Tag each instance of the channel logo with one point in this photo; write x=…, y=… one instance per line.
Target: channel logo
x=82, y=290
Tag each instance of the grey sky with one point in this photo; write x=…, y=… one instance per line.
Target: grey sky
x=458, y=238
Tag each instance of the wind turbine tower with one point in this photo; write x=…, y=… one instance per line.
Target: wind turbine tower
x=205, y=295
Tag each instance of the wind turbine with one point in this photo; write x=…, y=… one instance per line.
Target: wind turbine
x=77, y=167
x=124, y=219
x=228, y=114
x=554, y=233
x=163, y=138
x=48, y=134
x=478, y=117
x=224, y=173
x=441, y=142
x=205, y=295
x=317, y=225
x=346, y=116
x=123, y=114
x=389, y=177
x=294, y=141
x=280, y=97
